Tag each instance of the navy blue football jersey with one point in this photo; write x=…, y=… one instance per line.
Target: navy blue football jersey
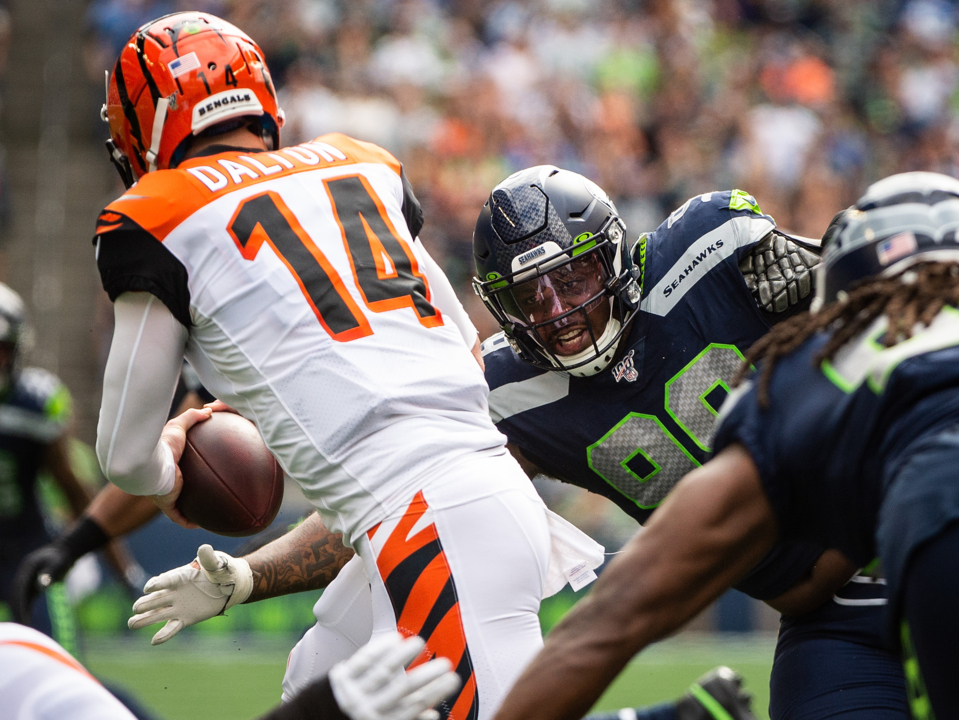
x=833, y=436
x=33, y=415
x=632, y=432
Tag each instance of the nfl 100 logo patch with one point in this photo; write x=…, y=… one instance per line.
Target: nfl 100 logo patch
x=625, y=369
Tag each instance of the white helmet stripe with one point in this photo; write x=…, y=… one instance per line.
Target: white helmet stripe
x=158, y=121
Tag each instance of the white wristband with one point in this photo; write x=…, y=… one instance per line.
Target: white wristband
x=167, y=470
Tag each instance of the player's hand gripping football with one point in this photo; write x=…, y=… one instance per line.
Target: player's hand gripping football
x=174, y=436
x=189, y=594
x=373, y=684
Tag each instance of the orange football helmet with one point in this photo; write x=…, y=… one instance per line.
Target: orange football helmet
x=177, y=77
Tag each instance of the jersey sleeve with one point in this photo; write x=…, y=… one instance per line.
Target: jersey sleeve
x=706, y=237
x=443, y=297
x=742, y=421
x=412, y=210
x=131, y=259
x=785, y=565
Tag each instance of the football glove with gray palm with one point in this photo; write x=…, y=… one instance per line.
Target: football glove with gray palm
x=184, y=596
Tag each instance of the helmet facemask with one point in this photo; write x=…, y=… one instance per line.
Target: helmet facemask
x=562, y=312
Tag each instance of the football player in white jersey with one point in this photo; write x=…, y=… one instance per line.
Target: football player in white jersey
x=292, y=280
x=39, y=680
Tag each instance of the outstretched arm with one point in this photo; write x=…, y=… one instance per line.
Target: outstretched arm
x=306, y=558
x=57, y=460
x=715, y=525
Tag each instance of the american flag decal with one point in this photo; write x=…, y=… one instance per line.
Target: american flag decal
x=898, y=246
x=184, y=64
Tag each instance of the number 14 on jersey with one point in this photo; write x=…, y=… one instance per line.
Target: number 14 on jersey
x=383, y=266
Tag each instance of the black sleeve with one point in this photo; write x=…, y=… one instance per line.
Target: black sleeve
x=131, y=260
x=412, y=210
x=314, y=702
x=785, y=565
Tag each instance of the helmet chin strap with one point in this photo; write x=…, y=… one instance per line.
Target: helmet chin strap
x=158, y=120
x=600, y=363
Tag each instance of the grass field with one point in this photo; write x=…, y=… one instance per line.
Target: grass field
x=198, y=678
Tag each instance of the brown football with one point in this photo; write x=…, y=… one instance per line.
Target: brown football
x=232, y=485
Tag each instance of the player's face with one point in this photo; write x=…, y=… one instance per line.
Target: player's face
x=558, y=294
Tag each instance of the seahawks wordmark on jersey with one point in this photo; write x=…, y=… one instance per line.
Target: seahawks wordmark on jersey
x=632, y=433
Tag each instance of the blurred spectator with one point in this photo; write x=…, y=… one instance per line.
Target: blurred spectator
x=800, y=102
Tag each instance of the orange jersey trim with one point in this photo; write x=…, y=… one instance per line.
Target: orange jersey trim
x=51, y=653
x=162, y=200
x=260, y=236
x=378, y=252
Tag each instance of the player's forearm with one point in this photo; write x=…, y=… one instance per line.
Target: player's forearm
x=57, y=460
x=118, y=512
x=703, y=538
x=306, y=558
x=145, y=359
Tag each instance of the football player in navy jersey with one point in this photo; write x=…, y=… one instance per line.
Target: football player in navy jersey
x=613, y=363
x=34, y=414
x=849, y=438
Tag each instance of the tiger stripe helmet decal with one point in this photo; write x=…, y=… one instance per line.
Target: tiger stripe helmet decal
x=177, y=76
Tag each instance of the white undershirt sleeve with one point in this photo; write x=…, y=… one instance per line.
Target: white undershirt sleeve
x=444, y=297
x=141, y=376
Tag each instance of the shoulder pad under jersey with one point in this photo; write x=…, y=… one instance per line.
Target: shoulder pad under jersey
x=709, y=231
x=516, y=386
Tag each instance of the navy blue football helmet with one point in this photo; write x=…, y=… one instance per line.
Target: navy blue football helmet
x=901, y=220
x=554, y=268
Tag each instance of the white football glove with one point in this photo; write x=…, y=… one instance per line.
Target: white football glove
x=374, y=685
x=186, y=595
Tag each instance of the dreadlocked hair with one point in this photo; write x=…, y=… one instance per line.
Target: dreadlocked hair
x=913, y=296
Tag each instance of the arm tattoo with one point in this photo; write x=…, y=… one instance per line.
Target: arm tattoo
x=306, y=558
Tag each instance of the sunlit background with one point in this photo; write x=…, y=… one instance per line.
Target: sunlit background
x=799, y=102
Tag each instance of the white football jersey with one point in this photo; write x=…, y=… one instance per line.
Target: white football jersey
x=308, y=311
x=39, y=680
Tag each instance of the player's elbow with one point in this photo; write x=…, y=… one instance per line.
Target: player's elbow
x=126, y=471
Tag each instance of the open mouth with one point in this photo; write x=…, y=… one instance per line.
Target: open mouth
x=570, y=340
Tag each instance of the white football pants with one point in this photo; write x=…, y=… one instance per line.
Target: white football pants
x=463, y=565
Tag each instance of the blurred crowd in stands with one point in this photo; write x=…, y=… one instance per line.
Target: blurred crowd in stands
x=800, y=102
